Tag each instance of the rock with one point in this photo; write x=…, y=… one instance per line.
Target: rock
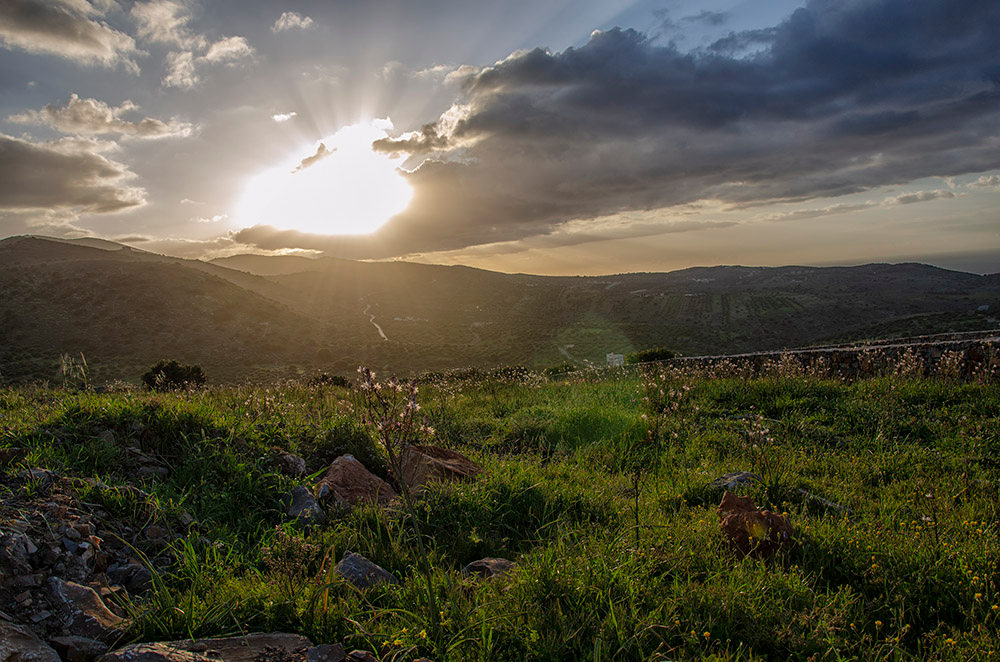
x=488, y=568
x=261, y=647
x=87, y=615
x=9, y=456
x=19, y=644
x=361, y=656
x=288, y=464
x=751, y=530
x=421, y=464
x=155, y=652
x=133, y=576
x=304, y=508
x=326, y=653
x=156, y=534
x=347, y=482
x=733, y=482
x=362, y=573
x=78, y=649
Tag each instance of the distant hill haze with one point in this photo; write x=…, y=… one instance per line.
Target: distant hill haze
x=251, y=316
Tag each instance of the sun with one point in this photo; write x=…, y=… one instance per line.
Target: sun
x=341, y=187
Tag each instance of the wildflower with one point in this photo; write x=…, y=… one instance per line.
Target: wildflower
x=706, y=634
x=878, y=624
x=423, y=634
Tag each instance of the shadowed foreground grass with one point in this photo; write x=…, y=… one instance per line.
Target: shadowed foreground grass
x=911, y=572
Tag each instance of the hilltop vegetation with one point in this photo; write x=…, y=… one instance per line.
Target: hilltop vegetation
x=125, y=309
x=890, y=484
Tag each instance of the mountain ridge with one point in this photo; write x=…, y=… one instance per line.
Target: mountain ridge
x=126, y=308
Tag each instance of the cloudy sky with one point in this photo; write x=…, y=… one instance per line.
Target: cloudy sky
x=556, y=137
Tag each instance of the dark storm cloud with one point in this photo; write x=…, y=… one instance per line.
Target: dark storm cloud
x=68, y=28
x=65, y=174
x=839, y=98
x=708, y=17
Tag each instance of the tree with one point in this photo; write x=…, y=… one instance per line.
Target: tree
x=171, y=375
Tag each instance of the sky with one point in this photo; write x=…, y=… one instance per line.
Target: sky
x=557, y=137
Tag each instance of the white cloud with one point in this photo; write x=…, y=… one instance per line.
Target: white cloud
x=94, y=117
x=180, y=70
x=218, y=218
x=290, y=20
x=65, y=28
x=987, y=181
x=228, y=49
x=166, y=22
x=283, y=117
x=918, y=196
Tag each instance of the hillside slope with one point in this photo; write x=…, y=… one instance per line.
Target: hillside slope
x=126, y=308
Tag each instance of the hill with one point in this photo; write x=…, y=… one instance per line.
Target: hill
x=125, y=308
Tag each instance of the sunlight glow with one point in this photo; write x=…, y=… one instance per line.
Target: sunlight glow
x=341, y=187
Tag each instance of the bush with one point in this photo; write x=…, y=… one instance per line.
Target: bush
x=171, y=375
x=326, y=379
x=648, y=355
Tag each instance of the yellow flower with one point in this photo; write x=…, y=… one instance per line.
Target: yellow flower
x=878, y=624
x=423, y=634
x=977, y=596
x=706, y=634
x=949, y=640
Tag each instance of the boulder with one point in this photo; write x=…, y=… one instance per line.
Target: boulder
x=362, y=573
x=303, y=507
x=347, y=482
x=261, y=647
x=86, y=615
x=421, y=463
x=751, y=530
x=488, y=568
x=19, y=644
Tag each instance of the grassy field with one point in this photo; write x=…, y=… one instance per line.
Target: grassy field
x=908, y=569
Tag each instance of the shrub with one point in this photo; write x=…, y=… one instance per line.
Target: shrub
x=648, y=355
x=326, y=379
x=171, y=375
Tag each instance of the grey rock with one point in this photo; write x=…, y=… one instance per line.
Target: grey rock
x=250, y=648
x=19, y=644
x=362, y=573
x=488, y=568
x=304, y=508
x=326, y=653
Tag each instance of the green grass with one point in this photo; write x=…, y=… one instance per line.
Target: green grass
x=912, y=573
